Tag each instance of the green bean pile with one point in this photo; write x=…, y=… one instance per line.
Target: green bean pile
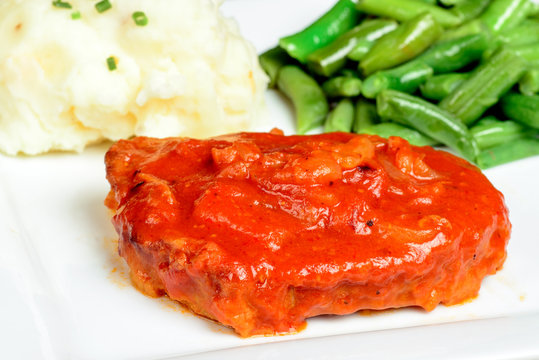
x=462, y=73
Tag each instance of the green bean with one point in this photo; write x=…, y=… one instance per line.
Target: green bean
x=491, y=119
x=407, y=41
x=361, y=49
x=489, y=134
x=502, y=15
x=404, y=10
x=272, y=61
x=454, y=54
x=349, y=72
x=332, y=57
x=442, y=57
x=339, y=19
x=388, y=129
x=307, y=97
x=364, y=45
x=472, y=27
x=439, y=86
x=530, y=53
x=406, y=78
x=346, y=86
x=494, y=44
x=525, y=34
x=522, y=108
x=470, y=9
x=523, y=39
x=452, y=2
x=365, y=115
x=507, y=152
x=485, y=86
x=529, y=83
x=427, y=118
x=340, y=118
x=534, y=9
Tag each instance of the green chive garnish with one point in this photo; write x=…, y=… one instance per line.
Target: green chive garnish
x=75, y=15
x=111, y=63
x=140, y=18
x=103, y=6
x=61, y=4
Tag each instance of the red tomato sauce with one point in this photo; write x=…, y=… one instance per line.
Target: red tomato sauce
x=260, y=231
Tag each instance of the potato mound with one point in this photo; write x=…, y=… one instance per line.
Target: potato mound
x=188, y=72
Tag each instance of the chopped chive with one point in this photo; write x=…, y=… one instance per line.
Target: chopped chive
x=61, y=4
x=103, y=6
x=140, y=18
x=111, y=63
x=75, y=15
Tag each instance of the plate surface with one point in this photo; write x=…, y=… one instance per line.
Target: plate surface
x=66, y=293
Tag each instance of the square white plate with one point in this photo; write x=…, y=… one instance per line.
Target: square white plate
x=66, y=294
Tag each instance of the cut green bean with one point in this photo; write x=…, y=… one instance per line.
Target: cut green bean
x=521, y=108
x=365, y=115
x=407, y=47
x=485, y=86
x=492, y=133
x=439, y=86
x=530, y=53
x=529, y=83
x=307, y=97
x=405, y=78
x=472, y=27
x=272, y=61
x=503, y=15
x=454, y=54
x=388, y=129
x=487, y=120
x=452, y=2
x=406, y=42
x=429, y=119
x=525, y=34
x=442, y=57
x=349, y=72
x=346, y=86
x=534, y=9
x=469, y=9
x=508, y=152
x=332, y=57
x=339, y=19
x=404, y=10
x=523, y=39
x=340, y=118
x=361, y=50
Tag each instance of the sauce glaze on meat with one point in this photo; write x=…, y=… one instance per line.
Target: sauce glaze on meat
x=260, y=231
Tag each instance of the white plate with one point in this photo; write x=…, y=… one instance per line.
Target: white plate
x=65, y=292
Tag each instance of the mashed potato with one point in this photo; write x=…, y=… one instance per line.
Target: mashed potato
x=187, y=72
